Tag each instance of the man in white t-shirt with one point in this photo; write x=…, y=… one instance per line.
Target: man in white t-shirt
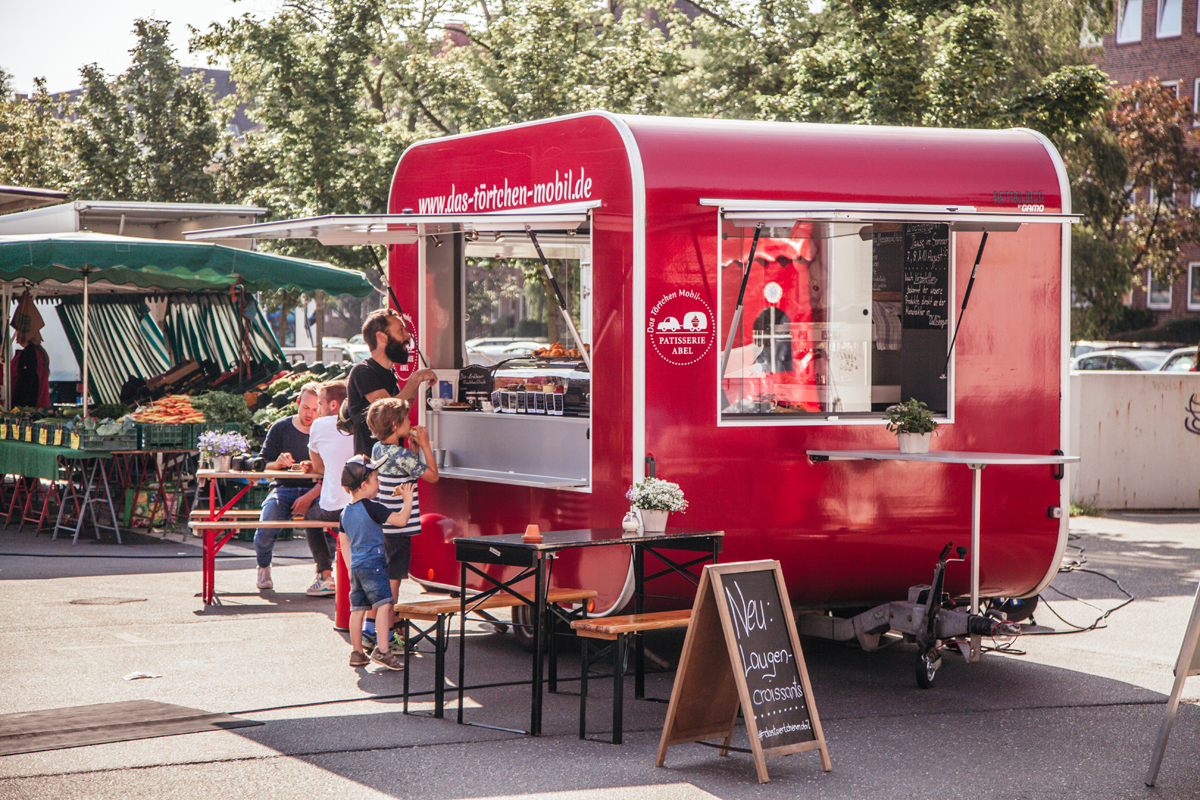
x=329, y=449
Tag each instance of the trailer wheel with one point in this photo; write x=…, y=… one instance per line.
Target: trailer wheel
x=927, y=666
x=522, y=628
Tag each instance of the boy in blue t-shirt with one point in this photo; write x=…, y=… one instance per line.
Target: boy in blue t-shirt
x=362, y=526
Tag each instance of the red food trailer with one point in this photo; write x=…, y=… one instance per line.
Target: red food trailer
x=750, y=292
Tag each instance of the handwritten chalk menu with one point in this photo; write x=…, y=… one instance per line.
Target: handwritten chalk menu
x=926, y=276
x=887, y=260
x=742, y=651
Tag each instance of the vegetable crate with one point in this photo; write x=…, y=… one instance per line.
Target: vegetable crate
x=94, y=441
x=162, y=436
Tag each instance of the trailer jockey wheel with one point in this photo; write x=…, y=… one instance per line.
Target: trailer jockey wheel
x=522, y=628
x=927, y=666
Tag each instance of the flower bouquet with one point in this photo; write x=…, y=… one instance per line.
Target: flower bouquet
x=218, y=447
x=654, y=499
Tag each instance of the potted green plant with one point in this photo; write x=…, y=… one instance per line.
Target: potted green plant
x=913, y=424
x=654, y=499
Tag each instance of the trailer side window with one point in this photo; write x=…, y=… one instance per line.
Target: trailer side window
x=837, y=319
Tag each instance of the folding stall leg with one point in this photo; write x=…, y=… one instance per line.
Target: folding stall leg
x=19, y=495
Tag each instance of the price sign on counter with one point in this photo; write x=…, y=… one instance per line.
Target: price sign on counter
x=742, y=650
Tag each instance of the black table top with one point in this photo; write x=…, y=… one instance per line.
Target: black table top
x=493, y=549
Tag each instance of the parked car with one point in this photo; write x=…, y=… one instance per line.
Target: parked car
x=1084, y=346
x=492, y=351
x=1181, y=359
x=1119, y=360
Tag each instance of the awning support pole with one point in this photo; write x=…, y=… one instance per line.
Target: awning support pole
x=562, y=301
x=966, y=297
x=737, y=314
x=85, y=342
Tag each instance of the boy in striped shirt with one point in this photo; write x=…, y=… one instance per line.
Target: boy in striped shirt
x=388, y=421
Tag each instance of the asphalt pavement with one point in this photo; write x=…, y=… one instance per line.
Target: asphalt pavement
x=1064, y=715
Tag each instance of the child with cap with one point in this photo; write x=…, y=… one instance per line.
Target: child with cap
x=362, y=525
x=388, y=421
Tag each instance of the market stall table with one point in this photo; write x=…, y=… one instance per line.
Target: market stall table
x=217, y=524
x=536, y=561
x=47, y=462
x=975, y=462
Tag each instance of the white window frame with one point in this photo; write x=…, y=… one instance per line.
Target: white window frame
x=1122, y=8
x=1150, y=304
x=1196, y=89
x=1193, y=267
x=1172, y=85
x=1158, y=21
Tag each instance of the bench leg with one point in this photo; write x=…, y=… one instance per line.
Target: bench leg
x=404, y=633
x=585, y=649
x=439, y=668
x=619, y=647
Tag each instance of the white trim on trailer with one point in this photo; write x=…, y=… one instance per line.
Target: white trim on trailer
x=362, y=229
x=1064, y=400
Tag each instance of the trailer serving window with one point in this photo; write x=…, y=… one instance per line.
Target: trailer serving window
x=835, y=314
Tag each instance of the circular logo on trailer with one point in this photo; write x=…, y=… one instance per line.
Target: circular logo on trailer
x=772, y=293
x=681, y=327
x=405, y=371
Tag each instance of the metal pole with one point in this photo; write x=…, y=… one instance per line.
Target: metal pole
x=976, y=485
x=85, y=342
x=7, y=375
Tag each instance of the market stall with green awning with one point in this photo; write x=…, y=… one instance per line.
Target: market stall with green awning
x=85, y=263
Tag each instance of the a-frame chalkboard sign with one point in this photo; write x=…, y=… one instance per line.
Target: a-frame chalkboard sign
x=742, y=651
x=1186, y=665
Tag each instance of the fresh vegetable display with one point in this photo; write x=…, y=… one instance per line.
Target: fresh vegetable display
x=171, y=409
x=222, y=407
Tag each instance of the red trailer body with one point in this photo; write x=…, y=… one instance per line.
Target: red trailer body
x=663, y=199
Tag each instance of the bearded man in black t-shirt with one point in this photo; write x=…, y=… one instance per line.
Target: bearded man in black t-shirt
x=387, y=336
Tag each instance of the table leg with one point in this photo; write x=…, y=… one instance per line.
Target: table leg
x=976, y=484
x=639, y=603
x=462, y=637
x=539, y=649
x=210, y=567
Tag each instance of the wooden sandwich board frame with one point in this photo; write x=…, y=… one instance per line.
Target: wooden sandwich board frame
x=711, y=683
x=1187, y=665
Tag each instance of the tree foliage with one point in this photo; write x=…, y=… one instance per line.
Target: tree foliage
x=1134, y=172
x=34, y=150
x=149, y=134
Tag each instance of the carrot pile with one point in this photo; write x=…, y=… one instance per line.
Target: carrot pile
x=171, y=409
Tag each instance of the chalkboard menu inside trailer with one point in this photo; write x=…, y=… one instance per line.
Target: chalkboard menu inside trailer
x=742, y=650
x=474, y=383
x=887, y=260
x=926, y=276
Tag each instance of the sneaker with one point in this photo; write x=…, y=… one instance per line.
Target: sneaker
x=387, y=659
x=264, y=578
x=398, y=645
x=368, y=641
x=321, y=588
x=359, y=658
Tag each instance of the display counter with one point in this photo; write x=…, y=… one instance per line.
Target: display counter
x=516, y=449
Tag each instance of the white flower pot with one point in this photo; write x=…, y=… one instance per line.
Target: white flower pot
x=913, y=443
x=222, y=463
x=653, y=520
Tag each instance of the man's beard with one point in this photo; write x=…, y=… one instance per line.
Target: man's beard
x=396, y=351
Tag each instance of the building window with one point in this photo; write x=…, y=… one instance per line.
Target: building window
x=1193, y=300
x=1170, y=18
x=1129, y=22
x=1158, y=293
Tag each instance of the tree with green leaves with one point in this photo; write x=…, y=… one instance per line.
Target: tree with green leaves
x=151, y=133
x=34, y=148
x=1133, y=175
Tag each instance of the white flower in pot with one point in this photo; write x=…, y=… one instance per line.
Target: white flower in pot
x=913, y=424
x=654, y=499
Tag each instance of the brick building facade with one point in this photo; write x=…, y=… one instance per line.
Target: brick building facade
x=1160, y=39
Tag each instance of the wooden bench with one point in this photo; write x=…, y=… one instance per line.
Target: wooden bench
x=617, y=630
x=230, y=524
x=439, y=611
